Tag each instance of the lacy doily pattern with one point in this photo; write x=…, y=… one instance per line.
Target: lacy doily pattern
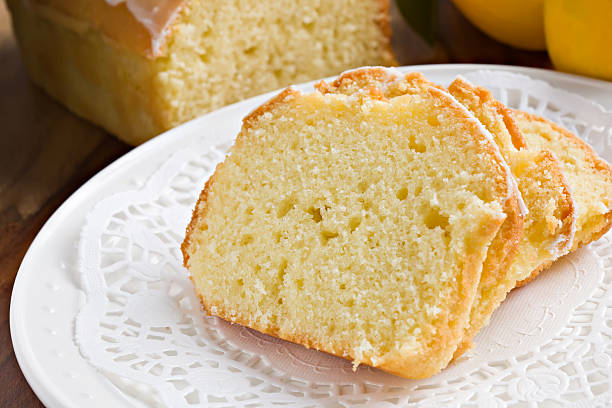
x=143, y=327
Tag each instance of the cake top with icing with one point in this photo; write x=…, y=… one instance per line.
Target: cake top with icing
x=140, y=25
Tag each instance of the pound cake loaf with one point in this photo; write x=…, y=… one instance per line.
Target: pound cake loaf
x=549, y=222
x=354, y=224
x=140, y=67
x=588, y=176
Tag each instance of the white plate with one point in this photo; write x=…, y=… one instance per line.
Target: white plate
x=47, y=295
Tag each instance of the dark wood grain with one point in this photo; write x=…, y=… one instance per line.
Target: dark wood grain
x=46, y=153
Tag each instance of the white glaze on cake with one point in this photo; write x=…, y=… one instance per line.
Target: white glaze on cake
x=511, y=182
x=155, y=15
x=139, y=25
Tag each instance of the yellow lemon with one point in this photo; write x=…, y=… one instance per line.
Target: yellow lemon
x=579, y=36
x=518, y=23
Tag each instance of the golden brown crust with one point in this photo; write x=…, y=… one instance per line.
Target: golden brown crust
x=566, y=207
x=372, y=81
x=566, y=210
x=252, y=118
x=593, y=161
x=517, y=137
x=606, y=224
x=504, y=247
x=481, y=96
x=503, y=184
x=198, y=213
x=533, y=275
x=359, y=80
x=304, y=340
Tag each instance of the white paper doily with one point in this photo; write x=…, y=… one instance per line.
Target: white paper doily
x=142, y=326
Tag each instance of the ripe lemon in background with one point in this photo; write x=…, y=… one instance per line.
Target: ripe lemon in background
x=579, y=36
x=576, y=33
x=518, y=23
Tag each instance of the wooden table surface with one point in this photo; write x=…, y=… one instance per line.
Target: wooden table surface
x=46, y=152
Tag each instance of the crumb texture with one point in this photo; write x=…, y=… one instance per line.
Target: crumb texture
x=589, y=177
x=224, y=51
x=355, y=224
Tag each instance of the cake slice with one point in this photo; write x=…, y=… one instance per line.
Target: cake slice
x=354, y=224
x=549, y=223
x=504, y=246
x=138, y=68
x=588, y=176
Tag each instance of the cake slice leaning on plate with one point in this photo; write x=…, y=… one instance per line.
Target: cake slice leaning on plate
x=549, y=223
x=588, y=176
x=354, y=224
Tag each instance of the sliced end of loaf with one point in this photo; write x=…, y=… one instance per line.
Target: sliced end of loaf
x=222, y=52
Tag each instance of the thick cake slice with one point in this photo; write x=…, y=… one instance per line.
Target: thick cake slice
x=588, y=176
x=354, y=224
x=548, y=225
